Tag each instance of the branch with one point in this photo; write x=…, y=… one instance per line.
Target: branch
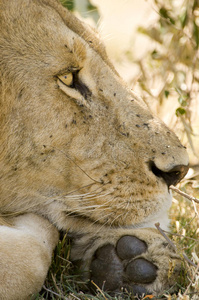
x=191, y=198
x=50, y=291
x=157, y=225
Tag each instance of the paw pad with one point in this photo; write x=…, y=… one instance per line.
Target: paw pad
x=114, y=268
x=129, y=247
x=141, y=271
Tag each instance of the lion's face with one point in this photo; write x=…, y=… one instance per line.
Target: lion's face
x=76, y=144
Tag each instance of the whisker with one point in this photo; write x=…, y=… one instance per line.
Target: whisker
x=85, y=186
x=103, y=204
x=120, y=206
x=96, y=221
x=127, y=203
x=63, y=152
x=84, y=197
x=90, y=199
x=104, y=224
x=115, y=219
x=90, y=208
x=99, y=206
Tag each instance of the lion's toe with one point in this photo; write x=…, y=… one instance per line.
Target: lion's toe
x=107, y=268
x=129, y=247
x=141, y=271
x=120, y=268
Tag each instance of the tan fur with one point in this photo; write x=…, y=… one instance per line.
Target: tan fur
x=22, y=272
x=81, y=161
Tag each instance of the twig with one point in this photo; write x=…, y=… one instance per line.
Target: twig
x=50, y=291
x=157, y=225
x=182, y=236
x=195, y=273
x=54, y=281
x=195, y=209
x=191, y=198
x=75, y=297
x=99, y=289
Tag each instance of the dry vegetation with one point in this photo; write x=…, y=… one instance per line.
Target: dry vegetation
x=173, y=63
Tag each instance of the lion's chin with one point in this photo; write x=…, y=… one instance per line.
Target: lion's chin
x=74, y=219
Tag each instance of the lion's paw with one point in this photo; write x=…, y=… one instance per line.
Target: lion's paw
x=127, y=266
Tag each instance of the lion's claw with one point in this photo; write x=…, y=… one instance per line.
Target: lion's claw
x=114, y=269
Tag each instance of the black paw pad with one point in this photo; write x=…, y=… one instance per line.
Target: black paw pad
x=141, y=271
x=129, y=247
x=106, y=268
x=120, y=268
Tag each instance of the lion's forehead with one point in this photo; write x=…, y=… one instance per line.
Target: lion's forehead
x=28, y=23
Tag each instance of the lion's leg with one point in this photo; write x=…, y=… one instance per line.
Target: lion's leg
x=25, y=256
x=137, y=260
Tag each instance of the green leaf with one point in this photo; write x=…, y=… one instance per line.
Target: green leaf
x=196, y=33
x=155, y=54
x=180, y=111
x=184, y=19
x=166, y=93
x=91, y=6
x=165, y=14
x=152, y=33
x=182, y=101
x=69, y=4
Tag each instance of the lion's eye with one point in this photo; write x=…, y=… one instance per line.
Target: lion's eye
x=67, y=79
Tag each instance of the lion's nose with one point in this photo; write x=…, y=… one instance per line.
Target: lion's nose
x=173, y=176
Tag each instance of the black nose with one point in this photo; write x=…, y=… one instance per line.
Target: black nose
x=173, y=176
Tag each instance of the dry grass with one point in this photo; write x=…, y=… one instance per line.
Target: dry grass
x=185, y=228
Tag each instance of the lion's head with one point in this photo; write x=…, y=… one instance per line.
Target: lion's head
x=77, y=145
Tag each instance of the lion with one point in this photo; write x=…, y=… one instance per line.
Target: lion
x=79, y=152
